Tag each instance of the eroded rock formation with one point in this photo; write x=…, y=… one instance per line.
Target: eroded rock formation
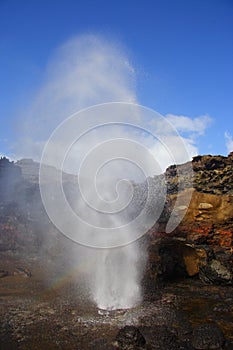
x=203, y=242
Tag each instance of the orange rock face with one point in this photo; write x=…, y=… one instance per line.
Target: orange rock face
x=209, y=215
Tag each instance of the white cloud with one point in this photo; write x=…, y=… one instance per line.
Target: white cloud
x=184, y=124
x=180, y=134
x=229, y=142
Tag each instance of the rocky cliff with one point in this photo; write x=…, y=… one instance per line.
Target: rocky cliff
x=202, y=243
x=209, y=216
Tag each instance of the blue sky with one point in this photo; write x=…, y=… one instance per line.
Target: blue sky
x=181, y=50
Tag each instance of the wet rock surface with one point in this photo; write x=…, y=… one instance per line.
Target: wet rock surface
x=38, y=316
x=162, y=337
x=207, y=336
x=129, y=337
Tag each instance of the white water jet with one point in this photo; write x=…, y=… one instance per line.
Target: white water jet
x=109, y=212
x=116, y=283
x=114, y=274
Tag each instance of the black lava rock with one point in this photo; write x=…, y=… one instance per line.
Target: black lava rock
x=161, y=337
x=129, y=338
x=207, y=336
x=215, y=273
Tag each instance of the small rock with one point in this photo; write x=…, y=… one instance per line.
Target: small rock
x=100, y=344
x=3, y=273
x=207, y=336
x=24, y=272
x=228, y=345
x=191, y=261
x=215, y=273
x=205, y=206
x=160, y=337
x=129, y=337
x=182, y=207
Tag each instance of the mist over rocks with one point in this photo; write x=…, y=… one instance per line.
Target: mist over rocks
x=208, y=220
x=10, y=177
x=23, y=220
x=30, y=171
x=197, y=253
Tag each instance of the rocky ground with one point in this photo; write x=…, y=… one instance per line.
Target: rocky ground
x=188, y=294
x=35, y=315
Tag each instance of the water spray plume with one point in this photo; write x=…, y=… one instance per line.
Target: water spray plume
x=114, y=150
x=110, y=213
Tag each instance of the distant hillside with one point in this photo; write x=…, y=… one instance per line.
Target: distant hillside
x=30, y=171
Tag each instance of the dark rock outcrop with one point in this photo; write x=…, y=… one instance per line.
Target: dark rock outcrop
x=10, y=179
x=209, y=174
x=23, y=220
x=214, y=272
x=129, y=338
x=202, y=243
x=162, y=337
